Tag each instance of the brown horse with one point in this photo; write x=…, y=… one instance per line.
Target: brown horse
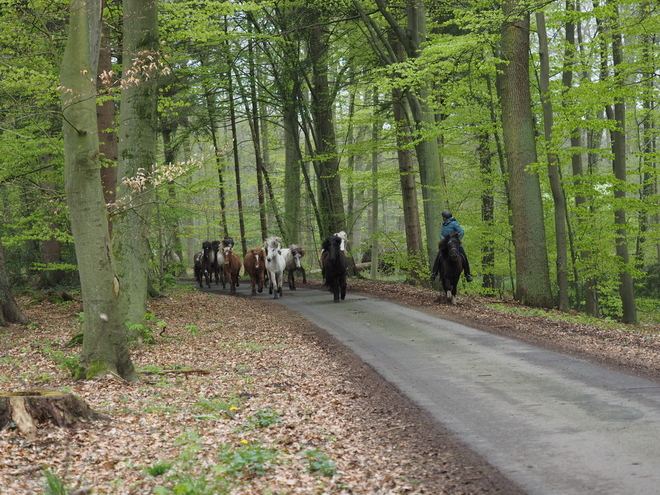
x=254, y=265
x=232, y=268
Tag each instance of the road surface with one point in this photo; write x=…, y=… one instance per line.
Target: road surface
x=551, y=423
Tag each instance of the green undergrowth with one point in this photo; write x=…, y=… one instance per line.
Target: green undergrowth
x=648, y=312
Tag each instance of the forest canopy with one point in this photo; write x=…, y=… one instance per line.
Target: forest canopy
x=535, y=124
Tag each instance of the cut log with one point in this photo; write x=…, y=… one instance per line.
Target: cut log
x=27, y=409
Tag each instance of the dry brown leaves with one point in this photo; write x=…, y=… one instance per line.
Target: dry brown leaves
x=262, y=363
x=257, y=361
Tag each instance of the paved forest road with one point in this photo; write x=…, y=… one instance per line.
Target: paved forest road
x=551, y=423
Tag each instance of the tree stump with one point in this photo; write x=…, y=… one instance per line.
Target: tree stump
x=26, y=409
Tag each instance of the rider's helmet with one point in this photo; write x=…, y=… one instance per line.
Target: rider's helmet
x=446, y=214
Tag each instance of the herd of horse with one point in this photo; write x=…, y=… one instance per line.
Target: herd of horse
x=265, y=265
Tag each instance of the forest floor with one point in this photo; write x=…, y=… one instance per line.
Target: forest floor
x=239, y=395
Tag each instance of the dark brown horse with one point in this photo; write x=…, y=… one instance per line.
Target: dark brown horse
x=451, y=265
x=334, y=263
x=232, y=268
x=254, y=265
x=204, y=264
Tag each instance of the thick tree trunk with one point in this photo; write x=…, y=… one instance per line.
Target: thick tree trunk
x=414, y=239
x=137, y=155
x=104, y=346
x=532, y=271
x=292, y=173
x=10, y=311
x=330, y=194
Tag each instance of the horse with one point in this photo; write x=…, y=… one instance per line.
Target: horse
x=275, y=265
x=451, y=266
x=292, y=256
x=254, y=264
x=204, y=263
x=334, y=265
x=218, y=265
x=232, y=267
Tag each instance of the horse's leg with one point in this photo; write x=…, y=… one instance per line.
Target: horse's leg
x=270, y=282
x=281, y=282
x=342, y=286
x=304, y=277
x=292, y=280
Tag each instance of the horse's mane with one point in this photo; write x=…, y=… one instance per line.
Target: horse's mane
x=295, y=247
x=273, y=242
x=444, y=243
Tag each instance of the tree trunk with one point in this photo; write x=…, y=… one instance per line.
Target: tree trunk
x=626, y=286
x=106, y=121
x=27, y=409
x=487, y=211
x=373, y=227
x=532, y=271
x=330, y=194
x=414, y=239
x=590, y=295
x=553, y=168
x=137, y=155
x=104, y=345
x=10, y=311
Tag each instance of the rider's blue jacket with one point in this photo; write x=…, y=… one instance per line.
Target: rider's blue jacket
x=449, y=226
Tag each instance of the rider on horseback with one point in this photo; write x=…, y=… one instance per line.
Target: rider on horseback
x=449, y=226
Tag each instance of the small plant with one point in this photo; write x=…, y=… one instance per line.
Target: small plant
x=318, y=463
x=54, y=485
x=247, y=460
x=143, y=333
x=67, y=363
x=159, y=468
x=214, y=406
x=192, y=329
x=263, y=418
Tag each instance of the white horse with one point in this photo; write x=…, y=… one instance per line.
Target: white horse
x=274, y=265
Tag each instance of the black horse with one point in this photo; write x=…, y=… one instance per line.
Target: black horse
x=451, y=265
x=204, y=264
x=334, y=263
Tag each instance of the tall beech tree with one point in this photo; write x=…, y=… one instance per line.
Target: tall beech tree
x=105, y=342
x=137, y=154
x=532, y=271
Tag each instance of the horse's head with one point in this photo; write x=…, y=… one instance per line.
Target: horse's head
x=258, y=255
x=227, y=251
x=333, y=245
x=215, y=245
x=272, y=247
x=453, y=245
x=296, y=253
x=228, y=242
x=207, y=250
